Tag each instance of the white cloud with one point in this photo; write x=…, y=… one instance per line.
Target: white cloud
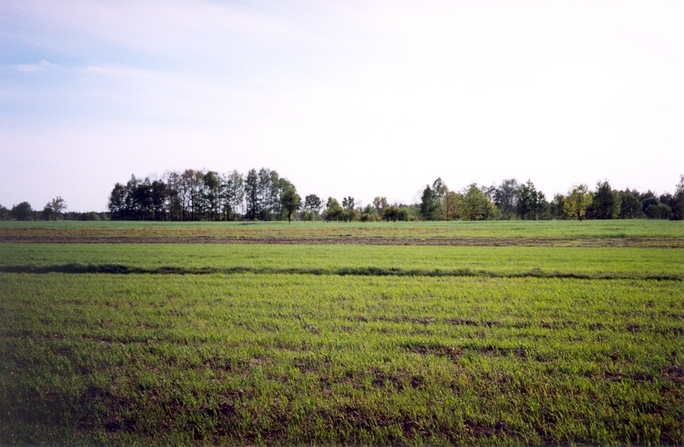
x=32, y=68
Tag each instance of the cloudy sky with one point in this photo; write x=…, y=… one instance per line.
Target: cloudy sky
x=362, y=98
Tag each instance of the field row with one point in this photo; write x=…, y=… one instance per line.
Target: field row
x=563, y=233
x=346, y=259
x=295, y=359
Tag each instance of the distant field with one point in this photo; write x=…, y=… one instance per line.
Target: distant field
x=586, y=233
x=575, y=336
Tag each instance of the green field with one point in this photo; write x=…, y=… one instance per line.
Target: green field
x=358, y=259
x=611, y=229
x=341, y=344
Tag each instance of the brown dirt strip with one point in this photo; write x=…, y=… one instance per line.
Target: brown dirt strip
x=453, y=242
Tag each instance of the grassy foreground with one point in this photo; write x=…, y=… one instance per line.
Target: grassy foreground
x=242, y=359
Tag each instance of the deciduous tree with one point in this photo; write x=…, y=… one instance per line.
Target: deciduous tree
x=506, y=198
x=22, y=211
x=475, y=205
x=578, y=200
x=333, y=210
x=605, y=202
x=290, y=201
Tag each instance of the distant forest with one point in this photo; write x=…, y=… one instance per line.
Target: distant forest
x=264, y=195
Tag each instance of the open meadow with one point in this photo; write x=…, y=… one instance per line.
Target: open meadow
x=256, y=333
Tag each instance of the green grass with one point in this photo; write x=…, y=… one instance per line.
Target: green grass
x=271, y=359
x=596, y=262
x=341, y=344
x=636, y=228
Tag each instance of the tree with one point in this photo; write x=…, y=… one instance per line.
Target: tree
x=211, y=193
x=451, y=204
x=647, y=199
x=527, y=201
x=159, y=192
x=53, y=209
x=174, y=196
x=312, y=206
x=117, y=202
x=531, y=204
x=506, y=197
x=333, y=210
x=432, y=201
x=291, y=201
x=233, y=194
x=557, y=207
x=605, y=202
x=678, y=200
x=578, y=200
x=313, y=203
x=630, y=206
x=22, y=211
x=380, y=203
x=475, y=205
x=4, y=213
x=394, y=213
x=659, y=211
x=252, y=195
x=349, y=211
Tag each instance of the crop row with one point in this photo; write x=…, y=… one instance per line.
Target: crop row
x=344, y=259
x=606, y=229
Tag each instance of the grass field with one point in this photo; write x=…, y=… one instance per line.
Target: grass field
x=341, y=344
x=508, y=231
x=352, y=259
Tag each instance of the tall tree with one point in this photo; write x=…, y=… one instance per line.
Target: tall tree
x=233, y=194
x=117, y=202
x=432, y=201
x=252, y=195
x=348, y=204
x=678, y=200
x=159, y=199
x=605, y=202
x=506, y=197
x=380, y=203
x=531, y=204
x=211, y=194
x=451, y=205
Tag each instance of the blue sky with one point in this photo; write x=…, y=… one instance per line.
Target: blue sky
x=360, y=98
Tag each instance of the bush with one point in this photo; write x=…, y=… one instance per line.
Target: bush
x=394, y=213
x=92, y=215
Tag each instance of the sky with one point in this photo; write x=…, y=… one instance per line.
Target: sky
x=343, y=98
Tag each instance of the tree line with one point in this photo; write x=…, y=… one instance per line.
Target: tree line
x=194, y=195
x=514, y=200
